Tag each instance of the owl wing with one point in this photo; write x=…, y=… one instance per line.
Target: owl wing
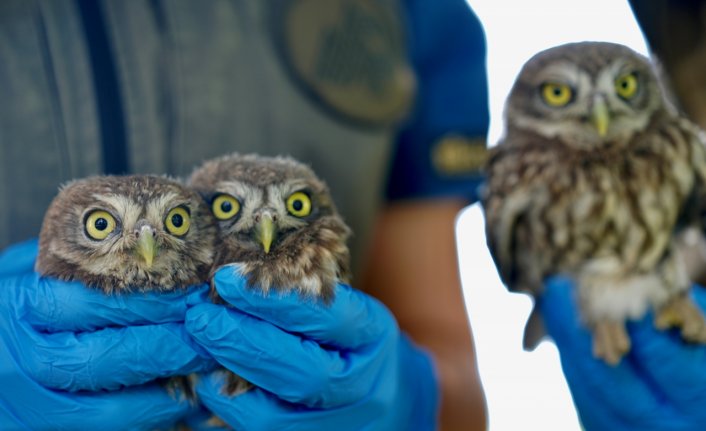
x=512, y=200
x=516, y=198
x=691, y=225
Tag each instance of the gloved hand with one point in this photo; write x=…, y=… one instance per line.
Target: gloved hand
x=78, y=340
x=660, y=385
x=344, y=366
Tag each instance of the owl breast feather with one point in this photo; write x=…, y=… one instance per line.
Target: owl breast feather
x=549, y=210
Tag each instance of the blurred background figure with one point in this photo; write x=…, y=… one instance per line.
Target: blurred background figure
x=676, y=34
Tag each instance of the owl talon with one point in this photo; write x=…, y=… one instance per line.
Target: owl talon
x=666, y=318
x=682, y=313
x=610, y=341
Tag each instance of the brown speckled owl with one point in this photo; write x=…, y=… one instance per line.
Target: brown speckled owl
x=118, y=234
x=278, y=221
x=593, y=178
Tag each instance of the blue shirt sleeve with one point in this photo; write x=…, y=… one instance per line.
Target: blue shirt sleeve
x=440, y=150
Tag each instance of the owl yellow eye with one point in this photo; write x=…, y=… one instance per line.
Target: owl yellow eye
x=299, y=204
x=626, y=86
x=556, y=94
x=178, y=221
x=99, y=224
x=225, y=207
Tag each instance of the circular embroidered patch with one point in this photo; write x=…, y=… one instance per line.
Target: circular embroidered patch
x=348, y=55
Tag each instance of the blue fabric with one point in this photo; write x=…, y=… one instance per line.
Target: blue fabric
x=447, y=49
x=58, y=341
x=660, y=385
x=343, y=366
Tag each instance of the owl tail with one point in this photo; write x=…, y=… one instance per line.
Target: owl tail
x=534, y=330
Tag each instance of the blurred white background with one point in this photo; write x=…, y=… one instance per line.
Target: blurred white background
x=525, y=391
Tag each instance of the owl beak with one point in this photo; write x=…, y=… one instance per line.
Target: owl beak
x=266, y=231
x=600, y=116
x=146, y=245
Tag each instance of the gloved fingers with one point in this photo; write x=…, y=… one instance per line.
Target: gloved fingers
x=597, y=412
x=18, y=258
x=110, y=358
x=28, y=405
x=202, y=419
x=675, y=366
x=418, y=382
x=257, y=409
x=613, y=385
x=53, y=305
x=297, y=369
x=145, y=407
x=352, y=320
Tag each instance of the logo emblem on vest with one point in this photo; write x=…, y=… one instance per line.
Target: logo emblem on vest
x=348, y=55
x=458, y=155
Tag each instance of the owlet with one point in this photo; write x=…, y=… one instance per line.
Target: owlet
x=278, y=221
x=594, y=177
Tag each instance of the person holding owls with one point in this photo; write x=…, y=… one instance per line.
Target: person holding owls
x=367, y=93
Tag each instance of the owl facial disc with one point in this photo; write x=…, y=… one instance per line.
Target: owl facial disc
x=128, y=233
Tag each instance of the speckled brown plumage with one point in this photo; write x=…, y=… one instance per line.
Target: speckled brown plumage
x=561, y=198
x=66, y=251
x=307, y=253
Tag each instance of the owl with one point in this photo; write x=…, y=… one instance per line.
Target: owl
x=127, y=233
x=279, y=222
x=594, y=178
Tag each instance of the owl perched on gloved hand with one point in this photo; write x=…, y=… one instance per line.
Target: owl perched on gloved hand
x=129, y=233
x=593, y=178
x=279, y=222
x=119, y=234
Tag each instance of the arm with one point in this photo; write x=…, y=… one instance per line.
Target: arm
x=413, y=270
x=413, y=264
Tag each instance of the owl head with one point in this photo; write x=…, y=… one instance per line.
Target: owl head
x=277, y=218
x=123, y=233
x=585, y=94
x=263, y=203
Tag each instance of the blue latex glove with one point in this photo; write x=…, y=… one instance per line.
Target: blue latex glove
x=339, y=367
x=660, y=385
x=79, y=340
